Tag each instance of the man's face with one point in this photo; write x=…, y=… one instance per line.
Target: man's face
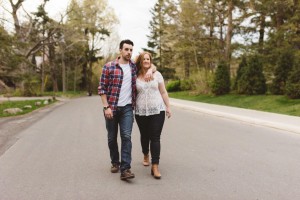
x=126, y=51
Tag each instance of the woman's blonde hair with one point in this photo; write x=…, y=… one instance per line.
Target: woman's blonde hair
x=139, y=60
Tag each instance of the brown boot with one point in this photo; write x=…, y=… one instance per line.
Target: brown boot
x=146, y=160
x=155, y=172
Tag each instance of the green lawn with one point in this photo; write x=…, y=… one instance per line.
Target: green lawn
x=20, y=104
x=269, y=103
x=68, y=94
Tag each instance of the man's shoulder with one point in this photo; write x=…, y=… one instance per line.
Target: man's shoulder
x=110, y=64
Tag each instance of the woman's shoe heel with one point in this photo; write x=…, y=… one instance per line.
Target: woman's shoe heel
x=155, y=172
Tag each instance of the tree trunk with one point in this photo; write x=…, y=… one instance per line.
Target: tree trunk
x=229, y=32
x=262, y=32
x=15, y=7
x=53, y=67
x=186, y=66
x=63, y=70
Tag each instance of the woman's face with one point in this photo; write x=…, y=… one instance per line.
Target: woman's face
x=146, y=61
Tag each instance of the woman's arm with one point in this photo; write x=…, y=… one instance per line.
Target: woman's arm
x=165, y=96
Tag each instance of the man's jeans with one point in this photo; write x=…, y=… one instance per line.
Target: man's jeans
x=124, y=118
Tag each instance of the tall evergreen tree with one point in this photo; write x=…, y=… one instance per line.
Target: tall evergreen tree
x=293, y=82
x=160, y=39
x=239, y=73
x=252, y=80
x=221, y=82
x=284, y=65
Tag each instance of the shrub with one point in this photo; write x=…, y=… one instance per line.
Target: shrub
x=293, y=83
x=221, y=83
x=284, y=66
x=173, y=86
x=252, y=80
x=242, y=66
x=186, y=85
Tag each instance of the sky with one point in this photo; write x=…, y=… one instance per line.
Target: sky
x=134, y=17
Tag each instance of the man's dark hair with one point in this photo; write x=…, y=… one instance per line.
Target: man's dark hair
x=125, y=42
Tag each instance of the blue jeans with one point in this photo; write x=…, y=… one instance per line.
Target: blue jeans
x=124, y=119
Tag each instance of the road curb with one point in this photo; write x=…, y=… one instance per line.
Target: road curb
x=241, y=118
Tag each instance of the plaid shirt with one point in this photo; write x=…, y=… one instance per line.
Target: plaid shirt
x=111, y=82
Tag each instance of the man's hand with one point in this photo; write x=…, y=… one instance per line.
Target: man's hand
x=108, y=113
x=149, y=74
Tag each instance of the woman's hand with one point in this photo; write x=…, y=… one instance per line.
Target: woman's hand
x=168, y=112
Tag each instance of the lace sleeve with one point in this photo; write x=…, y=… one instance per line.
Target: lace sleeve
x=159, y=77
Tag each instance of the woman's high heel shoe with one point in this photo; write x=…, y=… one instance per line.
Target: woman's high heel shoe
x=155, y=172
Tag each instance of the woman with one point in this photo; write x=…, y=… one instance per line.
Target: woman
x=152, y=104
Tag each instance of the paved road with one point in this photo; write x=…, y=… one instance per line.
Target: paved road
x=64, y=156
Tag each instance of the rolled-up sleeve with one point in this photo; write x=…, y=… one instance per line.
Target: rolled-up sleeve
x=104, y=80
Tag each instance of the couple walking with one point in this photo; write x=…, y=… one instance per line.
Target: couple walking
x=126, y=87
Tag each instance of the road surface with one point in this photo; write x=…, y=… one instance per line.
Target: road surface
x=64, y=156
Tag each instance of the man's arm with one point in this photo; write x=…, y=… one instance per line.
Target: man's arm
x=150, y=72
x=107, y=110
x=102, y=91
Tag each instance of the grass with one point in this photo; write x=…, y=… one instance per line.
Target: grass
x=269, y=103
x=20, y=104
x=68, y=94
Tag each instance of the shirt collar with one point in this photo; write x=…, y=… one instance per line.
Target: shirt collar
x=117, y=62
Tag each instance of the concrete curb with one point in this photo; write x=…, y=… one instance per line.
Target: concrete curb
x=243, y=117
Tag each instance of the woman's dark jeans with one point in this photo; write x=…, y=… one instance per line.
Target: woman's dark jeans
x=124, y=119
x=150, y=130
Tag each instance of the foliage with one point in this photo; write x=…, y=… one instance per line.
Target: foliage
x=252, y=81
x=221, y=83
x=186, y=84
x=186, y=37
x=293, y=83
x=31, y=86
x=173, y=86
x=168, y=73
x=284, y=66
x=239, y=72
x=9, y=60
x=69, y=46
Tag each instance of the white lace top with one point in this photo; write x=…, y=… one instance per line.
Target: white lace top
x=149, y=100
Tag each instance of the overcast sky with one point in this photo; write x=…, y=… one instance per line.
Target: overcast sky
x=134, y=17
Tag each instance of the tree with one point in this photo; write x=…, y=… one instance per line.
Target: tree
x=284, y=66
x=240, y=71
x=97, y=24
x=252, y=80
x=293, y=82
x=160, y=43
x=221, y=82
x=9, y=60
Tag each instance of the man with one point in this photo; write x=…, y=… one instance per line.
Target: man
x=118, y=91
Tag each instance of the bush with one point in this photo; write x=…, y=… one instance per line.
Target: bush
x=284, y=66
x=293, y=83
x=31, y=85
x=186, y=85
x=252, y=80
x=168, y=73
x=221, y=83
x=242, y=66
x=173, y=86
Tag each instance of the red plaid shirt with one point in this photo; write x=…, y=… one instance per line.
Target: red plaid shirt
x=111, y=82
